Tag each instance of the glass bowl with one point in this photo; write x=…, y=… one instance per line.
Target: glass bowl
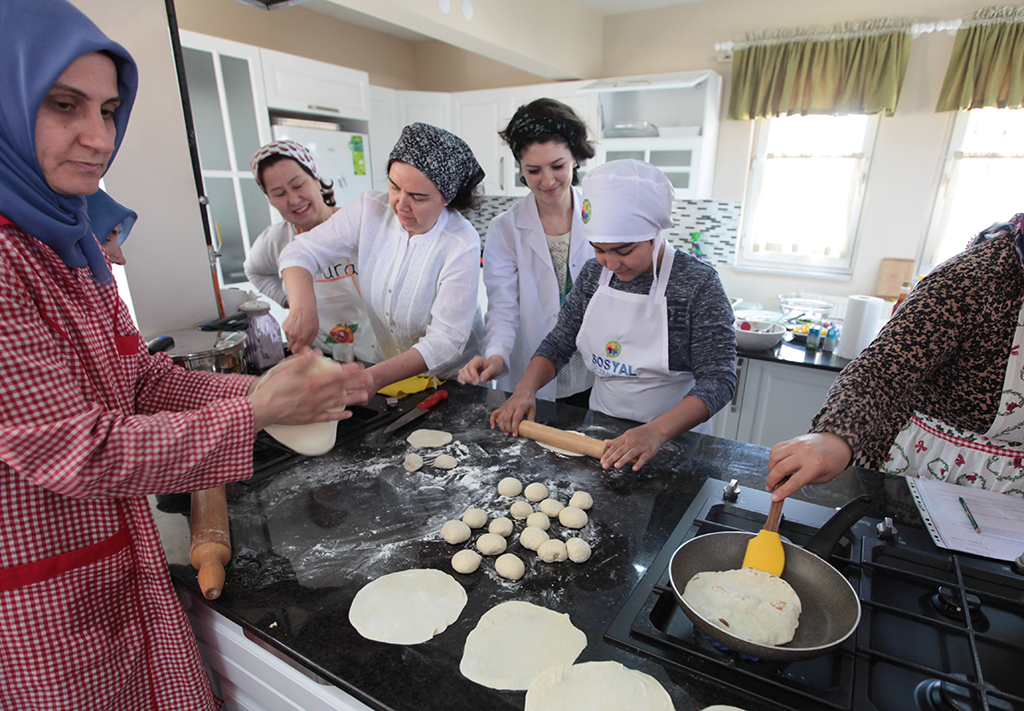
x=802, y=305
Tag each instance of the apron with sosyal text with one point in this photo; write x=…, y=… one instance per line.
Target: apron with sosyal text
x=624, y=341
x=927, y=447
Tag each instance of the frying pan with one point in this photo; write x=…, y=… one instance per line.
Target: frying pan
x=831, y=608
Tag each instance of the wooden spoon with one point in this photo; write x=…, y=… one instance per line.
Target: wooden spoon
x=764, y=552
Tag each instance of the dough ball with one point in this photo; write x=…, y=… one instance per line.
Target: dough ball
x=510, y=566
x=491, y=544
x=578, y=550
x=572, y=517
x=582, y=500
x=428, y=439
x=475, y=518
x=413, y=462
x=536, y=492
x=520, y=510
x=466, y=561
x=551, y=507
x=510, y=486
x=502, y=526
x=446, y=461
x=552, y=551
x=532, y=537
x=540, y=520
x=455, y=532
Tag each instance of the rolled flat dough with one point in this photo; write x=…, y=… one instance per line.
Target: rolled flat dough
x=515, y=641
x=596, y=686
x=408, y=607
x=315, y=438
x=747, y=603
x=428, y=439
x=559, y=450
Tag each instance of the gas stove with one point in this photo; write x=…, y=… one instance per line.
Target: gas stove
x=939, y=631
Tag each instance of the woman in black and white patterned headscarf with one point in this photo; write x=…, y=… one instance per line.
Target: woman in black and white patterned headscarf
x=419, y=259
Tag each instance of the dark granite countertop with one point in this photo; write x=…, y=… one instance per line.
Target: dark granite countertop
x=305, y=541
x=794, y=353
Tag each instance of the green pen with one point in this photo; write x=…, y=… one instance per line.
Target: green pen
x=969, y=515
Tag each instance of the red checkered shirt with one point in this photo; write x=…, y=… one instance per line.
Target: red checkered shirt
x=90, y=424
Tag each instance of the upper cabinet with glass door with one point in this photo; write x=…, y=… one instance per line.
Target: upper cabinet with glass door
x=669, y=120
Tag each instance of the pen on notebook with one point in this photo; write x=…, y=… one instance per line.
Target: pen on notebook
x=969, y=515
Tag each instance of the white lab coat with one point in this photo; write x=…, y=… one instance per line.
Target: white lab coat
x=522, y=289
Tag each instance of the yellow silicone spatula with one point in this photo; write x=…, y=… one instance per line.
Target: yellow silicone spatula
x=764, y=552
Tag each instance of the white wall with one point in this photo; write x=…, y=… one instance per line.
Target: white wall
x=168, y=269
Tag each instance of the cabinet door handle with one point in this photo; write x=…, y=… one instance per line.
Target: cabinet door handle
x=501, y=173
x=329, y=109
x=734, y=406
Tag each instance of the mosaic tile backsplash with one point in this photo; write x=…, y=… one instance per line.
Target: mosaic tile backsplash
x=716, y=222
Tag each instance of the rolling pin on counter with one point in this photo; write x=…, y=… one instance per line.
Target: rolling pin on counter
x=211, y=539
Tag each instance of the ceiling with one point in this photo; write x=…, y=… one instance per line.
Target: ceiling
x=617, y=7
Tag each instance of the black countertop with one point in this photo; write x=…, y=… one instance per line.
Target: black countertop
x=305, y=541
x=790, y=352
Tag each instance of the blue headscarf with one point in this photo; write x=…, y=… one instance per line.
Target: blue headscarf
x=106, y=213
x=41, y=38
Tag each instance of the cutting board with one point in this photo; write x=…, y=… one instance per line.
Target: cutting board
x=892, y=275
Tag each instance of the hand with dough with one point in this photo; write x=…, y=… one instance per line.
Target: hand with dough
x=480, y=370
x=307, y=388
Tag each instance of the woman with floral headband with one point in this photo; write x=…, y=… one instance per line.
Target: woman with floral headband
x=287, y=174
x=419, y=259
x=535, y=250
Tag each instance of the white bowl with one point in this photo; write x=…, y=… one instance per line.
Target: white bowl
x=758, y=335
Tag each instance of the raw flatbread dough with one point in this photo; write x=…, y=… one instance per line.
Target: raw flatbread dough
x=596, y=686
x=315, y=438
x=515, y=641
x=446, y=461
x=747, y=603
x=428, y=439
x=408, y=607
x=559, y=450
x=413, y=462
x=722, y=707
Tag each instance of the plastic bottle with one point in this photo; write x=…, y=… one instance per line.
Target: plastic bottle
x=904, y=293
x=829, y=343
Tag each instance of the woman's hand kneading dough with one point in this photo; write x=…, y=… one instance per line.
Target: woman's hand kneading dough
x=307, y=388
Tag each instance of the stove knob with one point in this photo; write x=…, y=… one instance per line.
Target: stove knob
x=1018, y=564
x=731, y=492
x=886, y=529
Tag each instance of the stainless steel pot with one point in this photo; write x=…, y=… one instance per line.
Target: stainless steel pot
x=218, y=351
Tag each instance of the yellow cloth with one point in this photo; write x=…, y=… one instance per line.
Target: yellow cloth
x=410, y=386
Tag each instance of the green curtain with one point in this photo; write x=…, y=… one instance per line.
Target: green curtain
x=846, y=68
x=987, y=66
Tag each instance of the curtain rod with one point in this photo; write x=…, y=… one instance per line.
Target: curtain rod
x=916, y=30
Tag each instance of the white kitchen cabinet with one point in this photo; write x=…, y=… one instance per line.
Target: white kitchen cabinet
x=773, y=402
x=670, y=120
x=308, y=86
x=433, y=107
x=477, y=116
x=391, y=110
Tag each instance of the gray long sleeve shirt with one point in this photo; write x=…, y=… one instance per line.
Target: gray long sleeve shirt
x=701, y=338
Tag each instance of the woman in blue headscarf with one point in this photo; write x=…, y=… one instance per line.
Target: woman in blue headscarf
x=90, y=423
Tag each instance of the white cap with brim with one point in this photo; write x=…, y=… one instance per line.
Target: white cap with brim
x=626, y=201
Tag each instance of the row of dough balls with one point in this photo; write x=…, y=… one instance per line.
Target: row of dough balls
x=534, y=537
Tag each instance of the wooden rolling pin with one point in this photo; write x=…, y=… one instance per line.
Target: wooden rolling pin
x=211, y=541
x=571, y=441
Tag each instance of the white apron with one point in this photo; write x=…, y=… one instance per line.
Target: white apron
x=624, y=341
x=927, y=447
x=342, y=313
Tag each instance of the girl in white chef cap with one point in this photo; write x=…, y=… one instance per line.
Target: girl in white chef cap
x=652, y=322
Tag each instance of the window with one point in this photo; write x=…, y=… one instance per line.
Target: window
x=981, y=180
x=804, y=194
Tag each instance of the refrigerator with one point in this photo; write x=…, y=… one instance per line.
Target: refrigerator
x=341, y=150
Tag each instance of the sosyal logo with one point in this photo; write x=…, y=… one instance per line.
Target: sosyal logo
x=613, y=349
x=586, y=211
